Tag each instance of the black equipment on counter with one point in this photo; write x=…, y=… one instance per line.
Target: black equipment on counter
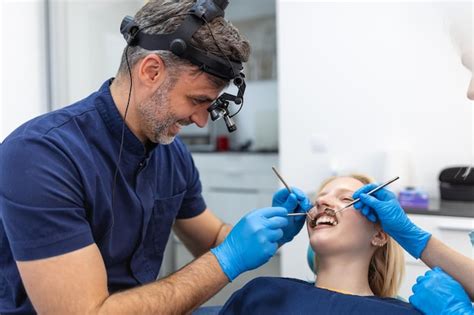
x=457, y=183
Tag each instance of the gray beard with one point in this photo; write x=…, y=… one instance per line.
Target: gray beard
x=161, y=135
x=158, y=106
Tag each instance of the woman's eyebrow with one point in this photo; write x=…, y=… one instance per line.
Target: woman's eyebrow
x=347, y=190
x=338, y=190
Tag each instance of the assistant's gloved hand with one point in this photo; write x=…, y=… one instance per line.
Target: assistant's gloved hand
x=384, y=205
x=436, y=293
x=252, y=241
x=293, y=202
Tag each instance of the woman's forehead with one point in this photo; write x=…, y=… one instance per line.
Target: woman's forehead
x=341, y=184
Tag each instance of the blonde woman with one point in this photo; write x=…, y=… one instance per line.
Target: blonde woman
x=359, y=267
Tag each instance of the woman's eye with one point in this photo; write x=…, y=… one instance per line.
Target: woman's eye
x=348, y=199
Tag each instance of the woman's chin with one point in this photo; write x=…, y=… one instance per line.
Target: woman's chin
x=323, y=243
x=324, y=232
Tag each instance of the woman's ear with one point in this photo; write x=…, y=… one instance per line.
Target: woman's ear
x=380, y=238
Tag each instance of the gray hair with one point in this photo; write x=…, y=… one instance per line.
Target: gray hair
x=164, y=16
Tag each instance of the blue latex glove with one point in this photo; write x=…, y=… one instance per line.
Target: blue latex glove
x=384, y=205
x=252, y=241
x=437, y=293
x=294, y=202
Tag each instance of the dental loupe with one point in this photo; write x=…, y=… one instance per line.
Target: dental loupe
x=179, y=43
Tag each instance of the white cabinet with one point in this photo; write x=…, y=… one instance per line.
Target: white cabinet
x=230, y=203
x=271, y=268
x=234, y=184
x=453, y=231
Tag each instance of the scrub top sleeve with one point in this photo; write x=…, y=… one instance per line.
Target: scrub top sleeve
x=41, y=199
x=193, y=203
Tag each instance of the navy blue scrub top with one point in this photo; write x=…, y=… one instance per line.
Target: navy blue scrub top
x=56, y=174
x=271, y=295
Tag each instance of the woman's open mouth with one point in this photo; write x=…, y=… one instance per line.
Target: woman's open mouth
x=327, y=217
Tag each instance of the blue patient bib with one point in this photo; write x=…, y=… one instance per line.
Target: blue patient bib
x=268, y=295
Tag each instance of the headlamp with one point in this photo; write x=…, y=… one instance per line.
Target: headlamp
x=179, y=43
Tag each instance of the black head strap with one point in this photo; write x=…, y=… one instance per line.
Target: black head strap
x=179, y=42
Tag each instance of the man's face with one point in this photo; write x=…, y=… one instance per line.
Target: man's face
x=470, y=90
x=467, y=61
x=177, y=104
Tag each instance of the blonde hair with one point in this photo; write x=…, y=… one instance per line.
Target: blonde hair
x=387, y=265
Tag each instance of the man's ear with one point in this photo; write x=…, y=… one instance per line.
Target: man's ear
x=380, y=238
x=151, y=70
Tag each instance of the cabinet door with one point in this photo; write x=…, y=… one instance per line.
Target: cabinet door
x=231, y=204
x=413, y=270
x=456, y=235
x=271, y=268
x=452, y=231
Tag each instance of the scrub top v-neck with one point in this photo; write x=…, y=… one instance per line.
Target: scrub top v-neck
x=56, y=174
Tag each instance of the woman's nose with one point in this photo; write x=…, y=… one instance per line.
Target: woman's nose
x=325, y=202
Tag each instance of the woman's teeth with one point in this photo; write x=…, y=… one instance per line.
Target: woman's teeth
x=327, y=217
x=326, y=220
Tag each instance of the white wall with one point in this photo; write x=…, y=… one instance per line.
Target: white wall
x=369, y=87
x=23, y=83
x=86, y=51
x=87, y=45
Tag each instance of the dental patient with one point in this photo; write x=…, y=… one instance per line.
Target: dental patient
x=359, y=267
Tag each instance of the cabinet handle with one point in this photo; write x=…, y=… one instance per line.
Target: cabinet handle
x=234, y=172
x=455, y=227
x=233, y=190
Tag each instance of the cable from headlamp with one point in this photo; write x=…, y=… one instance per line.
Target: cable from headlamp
x=238, y=81
x=179, y=43
x=122, y=137
x=230, y=124
x=239, y=99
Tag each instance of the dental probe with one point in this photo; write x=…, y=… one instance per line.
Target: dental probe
x=297, y=214
x=290, y=191
x=281, y=179
x=369, y=193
